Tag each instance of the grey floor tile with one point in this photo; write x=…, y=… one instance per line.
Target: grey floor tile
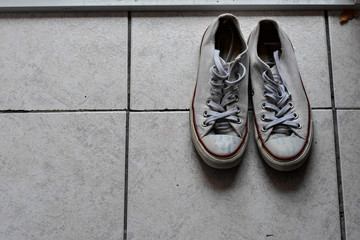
x=164, y=55
x=349, y=132
x=63, y=61
x=345, y=49
x=174, y=195
x=62, y=176
x=165, y=50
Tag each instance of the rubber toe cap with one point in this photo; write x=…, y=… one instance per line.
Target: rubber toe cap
x=221, y=144
x=285, y=147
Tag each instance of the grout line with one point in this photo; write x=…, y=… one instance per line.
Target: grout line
x=129, y=61
x=127, y=128
x=344, y=108
x=126, y=175
x=321, y=108
x=128, y=110
x=161, y=110
x=336, y=133
x=62, y=111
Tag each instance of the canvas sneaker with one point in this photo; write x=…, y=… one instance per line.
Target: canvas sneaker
x=219, y=108
x=282, y=113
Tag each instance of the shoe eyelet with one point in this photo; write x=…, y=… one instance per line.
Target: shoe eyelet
x=296, y=116
x=208, y=102
x=263, y=105
x=238, y=109
x=299, y=126
x=264, y=94
x=205, y=114
x=263, y=129
x=252, y=93
x=262, y=117
x=236, y=98
x=291, y=105
x=204, y=124
x=238, y=121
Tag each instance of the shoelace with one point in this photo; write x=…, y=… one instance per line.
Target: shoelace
x=224, y=90
x=278, y=96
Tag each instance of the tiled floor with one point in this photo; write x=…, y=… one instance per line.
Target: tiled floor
x=94, y=133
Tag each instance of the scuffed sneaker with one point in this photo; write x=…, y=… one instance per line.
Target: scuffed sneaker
x=282, y=113
x=219, y=108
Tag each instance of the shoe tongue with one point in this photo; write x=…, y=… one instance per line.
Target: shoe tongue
x=222, y=70
x=216, y=99
x=274, y=70
x=228, y=131
x=225, y=65
x=285, y=131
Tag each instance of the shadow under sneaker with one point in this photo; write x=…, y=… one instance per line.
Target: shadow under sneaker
x=282, y=113
x=219, y=108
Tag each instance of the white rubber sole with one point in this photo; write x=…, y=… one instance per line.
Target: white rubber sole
x=285, y=165
x=211, y=160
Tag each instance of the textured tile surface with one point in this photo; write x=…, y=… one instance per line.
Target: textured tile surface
x=62, y=176
x=349, y=132
x=164, y=55
x=165, y=50
x=63, y=61
x=345, y=49
x=174, y=195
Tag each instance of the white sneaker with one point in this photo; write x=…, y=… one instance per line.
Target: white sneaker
x=219, y=108
x=282, y=113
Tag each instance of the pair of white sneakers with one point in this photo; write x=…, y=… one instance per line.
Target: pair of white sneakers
x=219, y=109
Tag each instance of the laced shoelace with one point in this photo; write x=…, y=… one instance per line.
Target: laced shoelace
x=225, y=90
x=278, y=96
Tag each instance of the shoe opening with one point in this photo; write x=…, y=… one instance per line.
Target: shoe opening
x=228, y=40
x=268, y=42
